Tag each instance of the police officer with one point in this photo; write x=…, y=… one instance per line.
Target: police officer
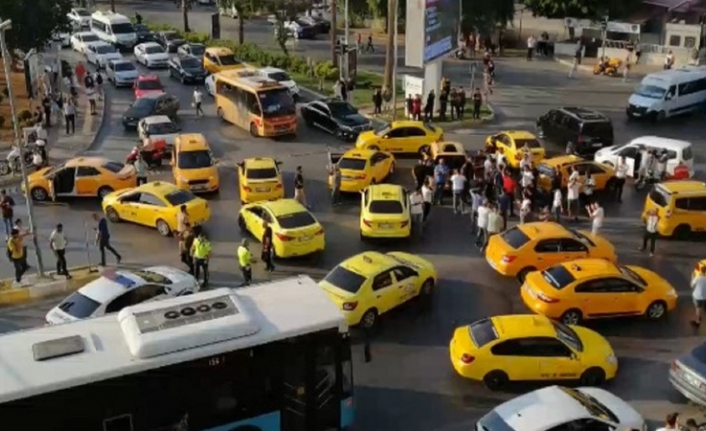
x=245, y=261
x=201, y=251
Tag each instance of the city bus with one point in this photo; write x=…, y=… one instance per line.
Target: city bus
x=272, y=357
x=256, y=103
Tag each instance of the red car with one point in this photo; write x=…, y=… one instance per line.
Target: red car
x=147, y=84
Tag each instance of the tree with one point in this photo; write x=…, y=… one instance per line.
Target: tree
x=284, y=10
x=112, y=5
x=583, y=9
x=33, y=22
x=185, y=6
x=485, y=16
x=244, y=9
x=390, y=57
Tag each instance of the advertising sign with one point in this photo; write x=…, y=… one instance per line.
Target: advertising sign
x=440, y=25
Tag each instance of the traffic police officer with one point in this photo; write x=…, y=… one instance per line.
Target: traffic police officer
x=201, y=252
x=245, y=262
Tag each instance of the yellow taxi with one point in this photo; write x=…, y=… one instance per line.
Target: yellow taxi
x=401, y=137
x=88, y=177
x=384, y=212
x=681, y=206
x=603, y=175
x=498, y=350
x=259, y=179
x=514, y=144
x=595, y=288
x=217, y=59
x=370, y=284
x=193, y=165
x=536, y=246
x=361, y=168
x=295, y=231
x=155, y=204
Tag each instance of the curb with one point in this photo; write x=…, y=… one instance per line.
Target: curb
x=49, y=287
x=570, y=64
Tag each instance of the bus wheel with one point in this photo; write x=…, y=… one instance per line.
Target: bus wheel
x=253, y=130
x=219, y=112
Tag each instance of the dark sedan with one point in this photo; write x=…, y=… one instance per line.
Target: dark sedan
x=170, y=40
x=144, y=34
x=187, y=69
x=319, y=24
x=688, y=374
x=155, y=104
x=336, y=117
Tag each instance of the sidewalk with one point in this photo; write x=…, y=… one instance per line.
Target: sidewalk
x=638, y=71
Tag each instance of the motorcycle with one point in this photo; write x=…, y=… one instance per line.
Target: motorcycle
x=607, y=66
x=152, y=154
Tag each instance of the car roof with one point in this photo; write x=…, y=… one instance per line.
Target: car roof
x=520, y=134
x=407, y=123
x=563, y=160
x=541, y=409
x=101, y=43
x=449, y=148
x=219, y=50
x=578, y=268
x=368, y=263
x=87, y=161
x=192, y=142
x=523, y=325
x=657, y=141
x=283, y=206
x=354, y=153
x=584, y=114
x=146, y=44
x=157, y=119
x=259, y=163
x=111, y=284
x=157, y=187
x=121, y=61
x=385, y=192
x=683, y=186
x=543, y=229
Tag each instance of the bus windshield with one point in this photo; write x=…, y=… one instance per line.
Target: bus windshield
x=123, y=28
x=276, y=103
x=228, y=60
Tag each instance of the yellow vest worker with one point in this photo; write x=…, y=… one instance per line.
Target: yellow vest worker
x=201, y=251
x=245, y=262
x=15, y=246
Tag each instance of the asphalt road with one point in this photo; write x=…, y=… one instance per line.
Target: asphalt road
x=409, y=384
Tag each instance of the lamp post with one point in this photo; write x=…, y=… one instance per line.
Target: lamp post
x=7, y=58
x=394, y=63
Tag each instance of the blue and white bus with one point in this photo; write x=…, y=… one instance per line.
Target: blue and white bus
x=272, y=357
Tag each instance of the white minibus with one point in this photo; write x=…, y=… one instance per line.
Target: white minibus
x=114, y=28
x=667, y=93
x=677, y=152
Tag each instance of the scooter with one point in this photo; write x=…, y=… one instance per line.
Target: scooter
x=152, y=156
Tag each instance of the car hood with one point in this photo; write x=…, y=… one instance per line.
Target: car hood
x=127, y=73
x=354, y=120
x=34, y=176
x=195, y=70
x=209, y=171
x=365, y=137
x=133, y=112
x=642, y=101
x=55, y=316
x=627, y=416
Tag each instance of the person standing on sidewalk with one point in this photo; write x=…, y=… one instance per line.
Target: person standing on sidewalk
x=268, y=248
x=91, y=95
x=621, y=172
x=458, y=185
x=7, y=206
x=99, y=84
x=531, y=45
x=201, y=252
x=80, y=71
x=650, y=233
x=698, y=294
x=140, y=170
x=416, y=210
x=245, y=262
x=16, y=253
x=198, y=99
x=70, y=117
x=103, y=238
x=57, y=243
x=557, y=204
x=577, y=59
x=477, y=102
x=427, y=199
x=46, y=108
x=597, y=215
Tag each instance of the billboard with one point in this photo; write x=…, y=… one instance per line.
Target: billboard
x=439, y=19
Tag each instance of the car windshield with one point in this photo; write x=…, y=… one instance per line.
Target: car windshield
x=89, y=38
x=529, y=143
x=152, y=277
x=352, y=164
x=558, y=276
x=228, y=60
x=581, y=237
x=483, y=332
x=345, y=279
x=190, y=63
x=106, y=49
x=650, y=91
x=296, y=220
x=145, y=103
x=162, y=128
x=515, y=238
x=659, y=196
x=114, y=167
x=567, y=336
x=383, y=130
x=341, y=109
x=493, y=422
x=632, y=275
x=79, y=306
x=124, y=67
x=154, y=49
x=149, y=84
x=197, y=49
x=82, y=12
x=276, y=103
x=595, y=407
x=122, y=28
x=179, y=197
x=279, y=76
x=171, y=36
x=261, y=174
x=194, y=159
x=385, y=207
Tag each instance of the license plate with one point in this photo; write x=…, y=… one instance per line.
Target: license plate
x=597, y=144
x=636, y=114
x=305, y=238
x=385, y=225
x=199, y=187
x=262, y=190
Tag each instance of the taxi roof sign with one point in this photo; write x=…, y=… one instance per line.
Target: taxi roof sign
x=367, y=259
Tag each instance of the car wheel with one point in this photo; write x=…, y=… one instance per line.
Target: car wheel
x=112, y=215
x=661, y=116
x=241, y=224
x=39, y=194
x=656, y=311
x=427, y=288
x=571, y=317
x=592, y=377
x=496, y=380
x=523, y=273
x=219, y=113
x=369, y=319
x=163, y=228
x=374, y=148
x=682, y=231
x=253, y=130
x=104, y=191
x=539, y=132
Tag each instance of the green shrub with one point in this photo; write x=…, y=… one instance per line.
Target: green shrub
x=196, y=37
x=2, y=121
x=24, y=115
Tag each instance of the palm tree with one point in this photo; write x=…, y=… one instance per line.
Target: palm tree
x=390, y=49
x=185, y=6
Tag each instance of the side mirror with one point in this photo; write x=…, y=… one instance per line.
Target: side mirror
x=216, y=161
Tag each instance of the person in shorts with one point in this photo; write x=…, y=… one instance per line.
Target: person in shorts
x=698, y=294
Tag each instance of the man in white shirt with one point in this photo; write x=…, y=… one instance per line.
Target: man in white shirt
x=57, y=243
x=458, y=185
x=487, y=168
x=427, y=198
x=651, y=222
x=531, y=44
x=527, y=177
x=526, y=162
x=557, y=205
x=416, y=209
x=476, y=202
x=572, y=197
x=495, y=225
x=698, y=284
x=198, y=99
x=621, y=173
x=482, y=234
x=525, y=210
x=597, y=215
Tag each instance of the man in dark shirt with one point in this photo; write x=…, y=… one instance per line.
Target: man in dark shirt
x=103, y=238
x=477, y=101
x=419, y=173
x=7, y=207
x=46, y=106
x=267, y=248
x=461, y=103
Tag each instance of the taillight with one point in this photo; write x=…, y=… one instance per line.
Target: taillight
x=283, y=237
x=360, y=177
x=404, y=224
x=320, y=231
x=544, y=298
x=247, y=189
x=580, y=139
x=367, y=223
x=350, y=306
x=467, y=359
x=278, y=186
x=508, y=259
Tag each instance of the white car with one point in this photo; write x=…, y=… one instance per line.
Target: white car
x=115, y=290
x=151, y=54
x=80, y=40
x=210, y=85
x=158, y=128
x=101, y=53
x=561, y=408
x=282, y=77
x=79, y=17
x=64, y=39
x=677, y=152
x=122, y=73
x=192, y=49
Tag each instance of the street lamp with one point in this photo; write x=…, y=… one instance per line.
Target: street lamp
x=7, y=58
x=394, y=62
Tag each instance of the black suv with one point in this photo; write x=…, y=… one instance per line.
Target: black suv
x=336, y=117
x=588, y=130
x=187, y=69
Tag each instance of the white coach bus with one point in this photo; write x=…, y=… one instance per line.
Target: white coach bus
x=272, y=357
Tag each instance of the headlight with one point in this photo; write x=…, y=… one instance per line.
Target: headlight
x=183, y=180
x=188, y=74
x=673, y=293
x=346, y=128
x=611, y=359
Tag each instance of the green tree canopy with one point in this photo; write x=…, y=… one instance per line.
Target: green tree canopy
x=33, y=22
x=486, y=15
x=582, y=9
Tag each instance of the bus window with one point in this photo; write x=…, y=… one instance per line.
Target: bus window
x=276, y=103
x=252, y=104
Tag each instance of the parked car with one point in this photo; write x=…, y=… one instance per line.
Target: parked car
x=283, y=78
x=320, y=25
x=170, y=40
x=79, y=17
x=336, y=117
x=122, y=73
x=193, y=49
x=151, y=54
x=298, y=30
x=154, y=104
x=586, y=129
x=64, y=39
x=101, y=53
x=144, y=34
x=187, y=69
x=79, y=41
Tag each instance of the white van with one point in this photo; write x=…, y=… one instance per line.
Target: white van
x=677, y=151
x=668, y=93
x=114, y=28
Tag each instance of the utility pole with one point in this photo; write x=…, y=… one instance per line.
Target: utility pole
x=7, y=59
x=334, y=31
x=604, y=33
x=390, y=47
x=394, y=63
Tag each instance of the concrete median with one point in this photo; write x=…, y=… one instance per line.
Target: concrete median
x=52, y=284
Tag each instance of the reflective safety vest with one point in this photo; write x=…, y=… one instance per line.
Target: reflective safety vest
x=202, y=248
x=244, y=257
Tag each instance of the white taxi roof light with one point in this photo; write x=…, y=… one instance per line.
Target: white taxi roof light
x=575, y=267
